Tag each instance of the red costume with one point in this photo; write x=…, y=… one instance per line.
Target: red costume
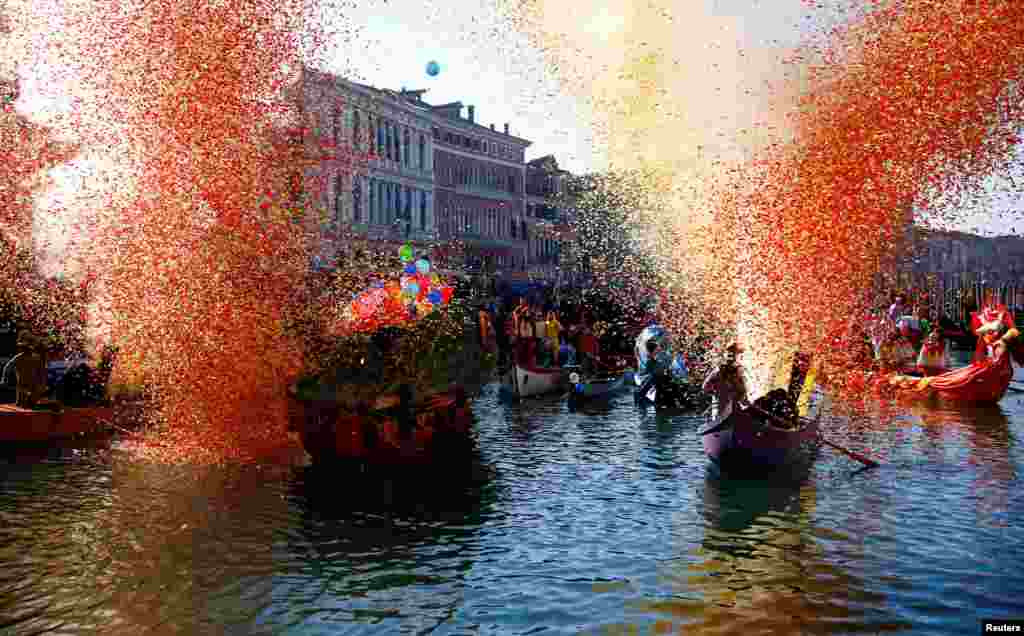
x=989, y=313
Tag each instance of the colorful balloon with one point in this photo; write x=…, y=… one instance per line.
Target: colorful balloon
x=410, y=269
x=434, y=297
x=423, y=266
x=405, y=253
x=433, y=68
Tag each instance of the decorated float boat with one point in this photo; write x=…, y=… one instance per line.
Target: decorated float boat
x=21, y=425
x=774, y=432
x=984, y=381
x=676, y=392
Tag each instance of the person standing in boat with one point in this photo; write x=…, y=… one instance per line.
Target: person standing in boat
x=652, y=369
x=727, y=386
x=988, y=324
x=934, y=357
x=553, y=329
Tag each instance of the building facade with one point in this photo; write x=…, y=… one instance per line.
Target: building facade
x=546, y=216
x=376, y=187
x=479, y=189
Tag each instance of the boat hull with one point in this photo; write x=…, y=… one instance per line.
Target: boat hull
x=752, y=442
x=19, y=425
x=983, y=382
x=523, y=382
x=442, y=429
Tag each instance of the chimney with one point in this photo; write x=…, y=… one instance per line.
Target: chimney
x=506, y=128
x=472, y=112
x=492, y=126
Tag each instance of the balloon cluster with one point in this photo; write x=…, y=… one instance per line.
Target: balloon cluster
x=417, y=293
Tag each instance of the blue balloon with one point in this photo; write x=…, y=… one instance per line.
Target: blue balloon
x=413, y=288
x=423, y=266
x=434, y=297
x=379, y=284
x=433, y=68
x=410, y=269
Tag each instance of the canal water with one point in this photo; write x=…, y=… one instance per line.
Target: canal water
x=601, y=522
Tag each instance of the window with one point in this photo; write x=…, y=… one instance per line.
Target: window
x=357, y=200
x=388, y=152
x=408, y=203
x=408, y=154
x=337, y=126
x=381, y=149
x=423, y=152
x=423, y=208
x=356, y=141
x=373, y=187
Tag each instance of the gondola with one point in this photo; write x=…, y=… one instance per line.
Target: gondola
x=394, y=430
x=770, y=434
x=596, y=389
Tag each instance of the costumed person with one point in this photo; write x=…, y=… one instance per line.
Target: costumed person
x=897, y=309
x=486, y=329
x=909, y=327
x=934, y=356
x=586, y=347
x=566, y=353
x=989, y=323
x=727, y=386
x=30, y=366
x=652, y=370
x=524, y=335
x=553, y=329
x=897, y=354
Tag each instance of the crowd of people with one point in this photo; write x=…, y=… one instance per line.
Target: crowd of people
x=538, y=334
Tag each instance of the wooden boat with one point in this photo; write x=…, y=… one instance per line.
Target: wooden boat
x=754, y=440
x=522, y=381
x=21, y=425
x=772, y=432
x=581, y=392
x=984, y=382
x=435, y=427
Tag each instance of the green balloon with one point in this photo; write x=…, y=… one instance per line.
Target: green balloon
x=405, y=253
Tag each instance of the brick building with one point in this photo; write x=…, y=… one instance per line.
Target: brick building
x=479, y=189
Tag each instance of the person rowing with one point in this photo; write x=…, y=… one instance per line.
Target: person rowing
x=728, y=388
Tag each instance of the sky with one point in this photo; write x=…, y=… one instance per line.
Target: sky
x=484, y=62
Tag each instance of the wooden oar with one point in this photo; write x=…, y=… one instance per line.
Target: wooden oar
x=867, y=461
x=870, y=463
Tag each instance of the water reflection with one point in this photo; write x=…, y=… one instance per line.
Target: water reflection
x=385, y=552
x=760, y=567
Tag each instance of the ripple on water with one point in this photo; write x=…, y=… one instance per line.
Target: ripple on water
x=572, y=522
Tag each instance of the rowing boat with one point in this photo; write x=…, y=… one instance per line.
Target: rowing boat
x=522, y=381
x=772, y=432
x=581, y=392
x=21, y=425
